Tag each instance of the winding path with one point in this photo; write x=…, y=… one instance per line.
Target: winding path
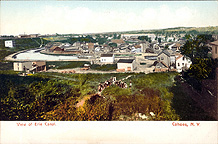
x=82, y=101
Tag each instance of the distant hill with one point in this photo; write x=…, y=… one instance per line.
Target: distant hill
x=189, y=30
x=178, y=30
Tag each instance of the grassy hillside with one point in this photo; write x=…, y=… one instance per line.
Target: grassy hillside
x=53, y=96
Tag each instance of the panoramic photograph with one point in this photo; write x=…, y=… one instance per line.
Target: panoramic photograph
x=109, y=61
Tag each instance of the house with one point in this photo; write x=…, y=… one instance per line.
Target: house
x=30, y=66
x=160, y=66
x=38, y=66
x=22, y=66
x=214, y=49
x=164, y=56
x=24, y=36
x=9, y=43
x=91, y=47
x=107, y=58
x=56, y=49
x=126, y=64
x=76, y=44
x=182, y=62
x=118, y=41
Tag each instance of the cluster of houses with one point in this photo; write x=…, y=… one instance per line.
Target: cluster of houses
x=165, y=56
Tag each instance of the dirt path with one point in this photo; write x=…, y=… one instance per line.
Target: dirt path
x=82, y=101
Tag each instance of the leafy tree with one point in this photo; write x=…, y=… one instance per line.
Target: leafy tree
x=159, y=40
x=196, y=47
x=112, y=44
x=201, y=68
x=119, y=36
x=143, y=38
x=197, y=50
x=115, y=36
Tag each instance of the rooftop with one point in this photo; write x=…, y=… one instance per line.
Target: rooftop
x=106, y=55
x=165, y=52
x=125, y=60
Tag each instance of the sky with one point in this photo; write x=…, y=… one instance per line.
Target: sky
x=71, y=17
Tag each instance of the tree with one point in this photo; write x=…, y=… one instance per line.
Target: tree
x=112, y=44
x=196, y=47
x=201, y=68
x=197, y=50
x=143, y=38
x=159, y=40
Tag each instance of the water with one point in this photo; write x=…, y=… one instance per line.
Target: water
x=36, y=55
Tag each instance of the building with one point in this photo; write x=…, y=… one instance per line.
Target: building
x=77, y=44
x=182, y=63
x=160, y=66
x=107, y=58
x=38, y=66
x=214, y=49
x=56, y=49
x=9, y=43
x=164, y=56
x=91, y=47
x=126, y=65
x=30, y=66
x=22, y=66
x=118, y=41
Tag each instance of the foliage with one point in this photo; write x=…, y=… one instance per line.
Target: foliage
x=112, y=44
x=6, y=65
x=159, y=40
x=143, y=38
x=201, y=68
x=196, y=47
x=30, y=102
x=4, y=53
x=53, y=96
x=197, y=50
x=86, y=39
x=106, y=67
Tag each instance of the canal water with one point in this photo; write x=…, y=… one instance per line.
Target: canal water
x=36, y=55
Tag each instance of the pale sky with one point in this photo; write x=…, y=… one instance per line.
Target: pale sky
x=50, y=17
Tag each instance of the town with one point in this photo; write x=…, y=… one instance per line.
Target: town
x=85, y=69
x=109, y=72
x=127, y=52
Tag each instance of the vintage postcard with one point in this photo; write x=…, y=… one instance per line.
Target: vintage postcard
x=109, y=71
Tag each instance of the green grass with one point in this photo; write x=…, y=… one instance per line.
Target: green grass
x=106, y=67
x=174, y=101
x=6, y=65
x=66, y=64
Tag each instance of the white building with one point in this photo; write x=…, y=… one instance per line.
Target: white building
x=126, y=64
x=182, y=62
x=107, y=58
x=30, y=66
x=9, y=43
x=22, y=66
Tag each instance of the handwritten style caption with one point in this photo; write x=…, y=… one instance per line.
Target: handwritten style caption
x=186, y=124
x=36, y=124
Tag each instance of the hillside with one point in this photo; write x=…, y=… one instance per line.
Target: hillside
x=188, y=30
